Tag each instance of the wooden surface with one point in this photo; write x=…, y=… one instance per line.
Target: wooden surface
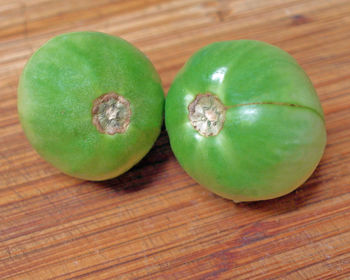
x=155, y=222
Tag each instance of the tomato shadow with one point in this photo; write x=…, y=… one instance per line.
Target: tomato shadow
x=143, y=174
x=307, y=193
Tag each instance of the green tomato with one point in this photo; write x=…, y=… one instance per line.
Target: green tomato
x=245, y=121
x=91, y=104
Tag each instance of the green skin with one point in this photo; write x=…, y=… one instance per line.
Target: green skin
x=274, y=133
x=55, y=98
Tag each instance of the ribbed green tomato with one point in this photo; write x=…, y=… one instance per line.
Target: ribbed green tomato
x=245, y=121
x=91, y=104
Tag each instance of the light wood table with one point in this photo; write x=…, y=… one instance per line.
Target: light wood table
x=155, y=222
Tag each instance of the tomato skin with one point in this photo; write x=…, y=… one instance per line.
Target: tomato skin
x=274, y=134
x=56, y=93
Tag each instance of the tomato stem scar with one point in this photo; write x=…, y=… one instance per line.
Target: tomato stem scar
x=207, y=114
x=111, y=113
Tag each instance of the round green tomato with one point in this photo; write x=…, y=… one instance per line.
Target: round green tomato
x=91, y=104
x=245, y=121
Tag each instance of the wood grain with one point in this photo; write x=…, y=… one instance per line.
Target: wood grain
x=155, y=222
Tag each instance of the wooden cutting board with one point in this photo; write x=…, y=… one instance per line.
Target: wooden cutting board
x=155, y=222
